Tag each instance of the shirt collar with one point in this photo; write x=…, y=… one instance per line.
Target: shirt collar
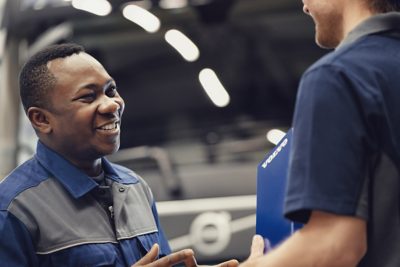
x=73, y=179
x=375, y=24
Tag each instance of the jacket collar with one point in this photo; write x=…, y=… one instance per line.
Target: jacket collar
x=76, y=182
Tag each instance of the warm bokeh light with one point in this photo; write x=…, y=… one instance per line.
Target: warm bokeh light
x=142, y=17
x=97, y=7
x=182, y=44
x=214, y=88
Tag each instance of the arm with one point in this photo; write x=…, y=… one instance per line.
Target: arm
x=164, y=246
x=327, y=240
x=16, y=247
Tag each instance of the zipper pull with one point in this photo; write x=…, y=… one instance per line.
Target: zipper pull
x=111, y=209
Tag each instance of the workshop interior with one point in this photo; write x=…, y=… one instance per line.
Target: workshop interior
x=209, y=88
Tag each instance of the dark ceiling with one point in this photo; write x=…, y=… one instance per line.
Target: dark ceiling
x=258, y=48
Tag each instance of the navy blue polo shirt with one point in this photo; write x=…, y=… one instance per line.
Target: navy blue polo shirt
x=346, y=151
x=50, y=217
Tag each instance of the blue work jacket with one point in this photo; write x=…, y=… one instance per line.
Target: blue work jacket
x=49, y=216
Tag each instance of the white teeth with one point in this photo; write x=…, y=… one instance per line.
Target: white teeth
x=109, y=127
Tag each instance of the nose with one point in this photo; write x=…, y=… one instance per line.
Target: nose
x=111, y=105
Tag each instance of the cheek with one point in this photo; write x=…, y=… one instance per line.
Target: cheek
x=79, y=122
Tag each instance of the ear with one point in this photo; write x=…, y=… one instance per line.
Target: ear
x=39, y=118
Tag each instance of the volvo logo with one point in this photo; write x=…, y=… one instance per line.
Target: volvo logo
x=210, y=232
x=275, y=153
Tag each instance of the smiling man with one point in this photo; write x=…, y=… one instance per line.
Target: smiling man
x=68, y=205
x=343, y=177
x=83, y=114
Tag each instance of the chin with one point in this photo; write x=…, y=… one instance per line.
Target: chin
x=107, y=150
x=328, y=35
x=326, y=43
x=113, y=150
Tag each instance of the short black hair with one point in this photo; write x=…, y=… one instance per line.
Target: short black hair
x=384, y=6
x=35, y=79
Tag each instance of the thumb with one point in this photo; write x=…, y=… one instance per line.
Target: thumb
x=229, y=263
x=257, y=247
x=149, y=257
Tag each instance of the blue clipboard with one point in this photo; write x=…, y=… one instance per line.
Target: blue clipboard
x=271, y=187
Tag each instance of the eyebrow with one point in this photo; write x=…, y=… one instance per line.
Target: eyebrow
x=108, y=84
x=94, y=86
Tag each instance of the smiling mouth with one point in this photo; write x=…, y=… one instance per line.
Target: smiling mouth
x=110, y=127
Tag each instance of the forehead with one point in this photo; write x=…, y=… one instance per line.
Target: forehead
x=77, y=68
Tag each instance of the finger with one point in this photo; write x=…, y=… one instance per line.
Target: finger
x=257, y=247
x=230, y=263
x=174, y=258
x=149, y=257
x=191, y=262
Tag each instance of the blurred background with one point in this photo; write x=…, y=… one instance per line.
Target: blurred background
x=209, y=87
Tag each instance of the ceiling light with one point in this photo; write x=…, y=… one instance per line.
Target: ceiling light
x=214, y=88
x=275, y=135
x=148, y=21
x=97, y=7
x=182, y=44
x=173, y=4
x=145, y=4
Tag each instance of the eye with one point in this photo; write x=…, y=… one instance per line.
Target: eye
x=111, y=91
x=88, y=97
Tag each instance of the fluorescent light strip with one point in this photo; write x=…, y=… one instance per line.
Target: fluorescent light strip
x=275, y=135
x=193, y=206
x=97, y=7
x=182, y=44
x=173, y=4
x=214, y=88
x=148, y=21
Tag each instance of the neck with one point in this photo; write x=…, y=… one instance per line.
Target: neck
x=91, y=168
x=355, y=13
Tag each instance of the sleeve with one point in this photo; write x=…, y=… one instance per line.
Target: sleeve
x=328, y=159
x=16, y=247
x=163, y=241
x=164, y=246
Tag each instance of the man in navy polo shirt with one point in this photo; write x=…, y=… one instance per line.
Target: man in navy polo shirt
x=68, y=205
x=344, y=166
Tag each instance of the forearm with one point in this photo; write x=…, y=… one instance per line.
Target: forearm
x=296, y=252
x=323, y=242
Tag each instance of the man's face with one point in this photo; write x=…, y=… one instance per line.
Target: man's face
x=86, y=109
x=328, y=19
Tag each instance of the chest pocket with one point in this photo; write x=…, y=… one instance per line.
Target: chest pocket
x=135, y=248
x=133, y=214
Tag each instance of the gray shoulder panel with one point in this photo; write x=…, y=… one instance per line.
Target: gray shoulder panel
x=383, y=216
x=57, y=221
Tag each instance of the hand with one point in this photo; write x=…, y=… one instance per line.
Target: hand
x=185, y=256
x=230, y=263
x=256, y=251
